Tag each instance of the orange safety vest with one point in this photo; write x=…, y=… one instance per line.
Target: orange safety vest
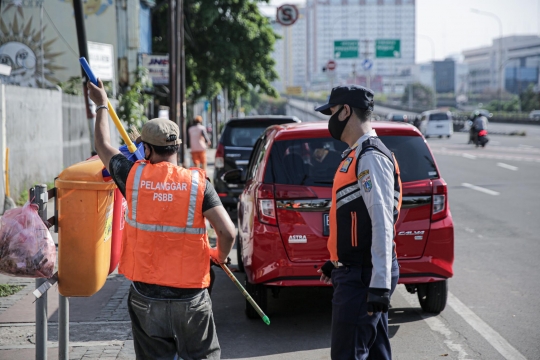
x=165, y=241
x=350, y=224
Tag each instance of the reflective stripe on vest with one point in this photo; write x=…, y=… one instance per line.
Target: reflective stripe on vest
x=193, y=197
x=189, y=229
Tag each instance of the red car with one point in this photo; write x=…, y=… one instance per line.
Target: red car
x=283, y=211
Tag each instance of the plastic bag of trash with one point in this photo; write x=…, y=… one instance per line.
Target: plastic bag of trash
x=26, y=246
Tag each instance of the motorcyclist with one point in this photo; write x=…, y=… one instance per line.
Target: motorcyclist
x=479, y=123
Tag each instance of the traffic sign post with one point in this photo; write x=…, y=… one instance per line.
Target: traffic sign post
x=331, y=65
x=287, y=14
x=367, y=64
x=388, y=48
x=346, y=49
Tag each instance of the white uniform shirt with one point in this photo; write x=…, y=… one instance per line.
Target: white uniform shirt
x=376, y=182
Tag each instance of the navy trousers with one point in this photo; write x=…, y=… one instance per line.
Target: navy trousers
x=355, y=334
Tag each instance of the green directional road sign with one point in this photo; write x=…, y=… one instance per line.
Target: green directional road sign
x=388, y=48
x=346, y=49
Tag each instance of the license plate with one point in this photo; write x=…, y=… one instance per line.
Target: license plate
x=440, y=126
x=326, y=225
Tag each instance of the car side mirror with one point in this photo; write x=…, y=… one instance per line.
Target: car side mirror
x=233, y=177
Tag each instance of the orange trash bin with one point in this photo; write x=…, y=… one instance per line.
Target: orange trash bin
x=85, y=204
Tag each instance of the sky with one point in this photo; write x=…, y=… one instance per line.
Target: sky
x=453, y=27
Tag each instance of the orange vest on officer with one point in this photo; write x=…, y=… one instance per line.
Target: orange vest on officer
x=350, y=224
x=164, y=240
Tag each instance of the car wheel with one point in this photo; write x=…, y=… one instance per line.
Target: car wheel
x=440, y=136
x=448, y=136
x=433, y=296
x=239, y=254
x=258, y=293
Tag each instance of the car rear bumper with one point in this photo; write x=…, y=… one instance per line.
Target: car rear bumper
x=270, y=265
x=437, y=262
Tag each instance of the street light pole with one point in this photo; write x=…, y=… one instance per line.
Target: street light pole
x=500, y=62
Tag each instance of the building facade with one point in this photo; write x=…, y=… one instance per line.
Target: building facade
x=290, y=54
x=367, y=22
x=305, y=47
x=511, y=63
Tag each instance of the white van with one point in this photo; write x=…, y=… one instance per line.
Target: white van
x=436, y=123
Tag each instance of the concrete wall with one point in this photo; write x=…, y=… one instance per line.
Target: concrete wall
x=75, y=130
x=33, y=134
x=45, y=131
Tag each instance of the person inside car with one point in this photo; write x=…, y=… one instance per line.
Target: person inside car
x=366, y=197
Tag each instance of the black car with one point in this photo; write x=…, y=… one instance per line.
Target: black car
x=235, y=148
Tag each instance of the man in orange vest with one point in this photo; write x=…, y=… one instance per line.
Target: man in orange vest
x=165, y=249
x=366, y=198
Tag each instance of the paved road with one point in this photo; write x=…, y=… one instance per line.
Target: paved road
x=493, y=308
x=492, y=313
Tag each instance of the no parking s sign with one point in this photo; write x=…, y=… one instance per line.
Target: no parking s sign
x=287, y=14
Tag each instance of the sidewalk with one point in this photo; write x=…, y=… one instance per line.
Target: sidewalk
x=99, y=328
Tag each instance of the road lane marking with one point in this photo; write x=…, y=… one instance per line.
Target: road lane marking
x=436, y=325
x=487, y=332
x=469, y=156
x=486, y=156
x=481, y=189
x=506, y=166
x=525, y=146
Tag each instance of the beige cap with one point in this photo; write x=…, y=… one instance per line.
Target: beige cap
x=160, y=132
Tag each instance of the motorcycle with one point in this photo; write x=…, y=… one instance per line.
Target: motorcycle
x=481, y=138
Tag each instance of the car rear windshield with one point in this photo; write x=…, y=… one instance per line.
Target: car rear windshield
x=438, y=116
x=399, y=117
x=314, y=161
x=413, y=157
x=245, y=133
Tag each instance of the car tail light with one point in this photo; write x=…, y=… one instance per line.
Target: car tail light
x=266, y=204
x=439, y=208
x=220, y=153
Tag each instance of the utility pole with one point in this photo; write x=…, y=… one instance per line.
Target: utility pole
x=83, y=52
x=177, y=71
x=172, y=60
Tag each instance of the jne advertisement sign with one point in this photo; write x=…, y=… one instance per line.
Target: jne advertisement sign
x=158, y=68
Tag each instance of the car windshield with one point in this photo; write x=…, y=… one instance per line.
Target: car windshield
x=314, y=161
x=246, y=133
x=413, y=157
x=244, y=136
x=438, y=116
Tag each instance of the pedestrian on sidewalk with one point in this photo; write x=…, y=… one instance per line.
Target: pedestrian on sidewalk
x=199, y=141
x=165, y=249
x=366, y=197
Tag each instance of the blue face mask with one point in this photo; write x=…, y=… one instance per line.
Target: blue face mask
x=337, y=127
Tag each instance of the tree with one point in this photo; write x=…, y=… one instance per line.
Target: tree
x=134, y=101
x=228, y=45
x=530, y=100
x=422, y=96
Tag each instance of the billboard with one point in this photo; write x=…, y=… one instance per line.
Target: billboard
x=158, y=68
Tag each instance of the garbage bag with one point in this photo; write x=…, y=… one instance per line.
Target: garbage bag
x=26, y=246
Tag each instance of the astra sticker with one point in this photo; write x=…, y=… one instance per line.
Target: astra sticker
x=362, y=174
x=366, y=183
x=297, y=239
x=346, y=164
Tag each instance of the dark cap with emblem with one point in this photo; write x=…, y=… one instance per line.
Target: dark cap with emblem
x=160, y=132
x=352, y=95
